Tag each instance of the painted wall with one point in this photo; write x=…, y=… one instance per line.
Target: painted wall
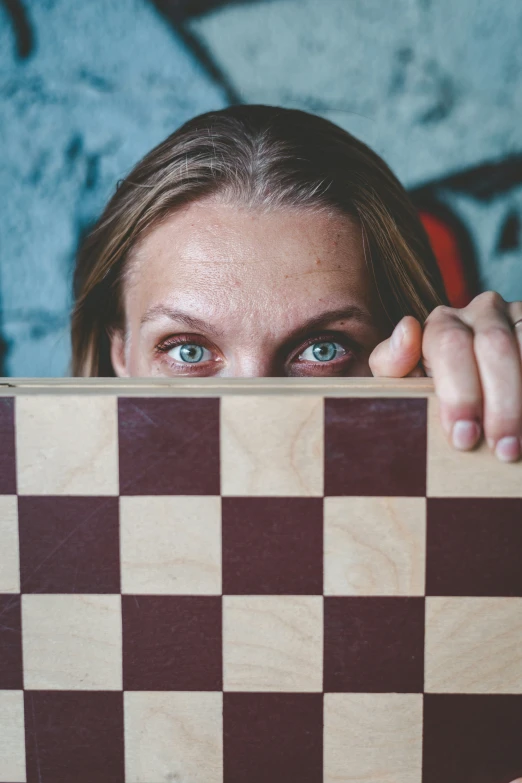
x=86, y=88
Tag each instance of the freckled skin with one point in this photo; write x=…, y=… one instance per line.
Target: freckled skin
x=256, y=277
x=247, y=288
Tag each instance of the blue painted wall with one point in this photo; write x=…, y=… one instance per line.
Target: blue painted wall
x=87, y=88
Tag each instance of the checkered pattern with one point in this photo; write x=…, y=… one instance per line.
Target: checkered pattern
x=255, y=588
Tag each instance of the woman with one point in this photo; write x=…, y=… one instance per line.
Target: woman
x=261, y=241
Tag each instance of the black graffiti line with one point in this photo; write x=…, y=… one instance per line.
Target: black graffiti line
x=176, y=14
x=205, y=59
x=23, y=29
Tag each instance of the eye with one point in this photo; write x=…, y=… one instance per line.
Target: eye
x=323, y=351
x=189, y=353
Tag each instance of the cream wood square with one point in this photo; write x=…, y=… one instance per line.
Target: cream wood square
x=373, y=737
x=67, y=445
x=9, y=549
x=72, y=642
x=476, y=473
x=272, y=445
x=473, y=645
x=171, y=545
x=12, y=737
x=374, y=545
x=173, y=736
x=272, y=643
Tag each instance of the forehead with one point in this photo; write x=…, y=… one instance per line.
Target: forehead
x=235, y=257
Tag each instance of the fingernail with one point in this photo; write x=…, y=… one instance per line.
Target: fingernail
x=465, y=434
x=397, y=337
x=508, y=449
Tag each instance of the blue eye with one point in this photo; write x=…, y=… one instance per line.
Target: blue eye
x=325, y=351
x=190, y=353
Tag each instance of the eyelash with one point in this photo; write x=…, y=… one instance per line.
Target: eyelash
x=170, y=343
x=346, y=343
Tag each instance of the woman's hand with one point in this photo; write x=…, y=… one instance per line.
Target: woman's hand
x=474, y=355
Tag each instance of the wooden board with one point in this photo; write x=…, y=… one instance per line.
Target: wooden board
x=255, y=581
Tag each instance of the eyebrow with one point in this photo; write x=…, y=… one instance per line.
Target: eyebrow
x=351, y=312
x=162, y=311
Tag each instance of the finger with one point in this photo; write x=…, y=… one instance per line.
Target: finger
x=448, y=353
x=498, y=357
x=418, y=372
x=515, y=314
x=400, y=353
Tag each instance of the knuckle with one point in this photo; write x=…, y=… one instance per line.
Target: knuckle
x=441, y=311
x=492, y=299
x=454, y=340
x=496, y=340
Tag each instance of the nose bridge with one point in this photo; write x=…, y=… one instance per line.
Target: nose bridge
x=252, y=353
x=255, y=364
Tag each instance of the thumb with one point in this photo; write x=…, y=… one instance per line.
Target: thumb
x=399, y=354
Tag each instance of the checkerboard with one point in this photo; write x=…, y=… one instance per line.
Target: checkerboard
x=260, y=581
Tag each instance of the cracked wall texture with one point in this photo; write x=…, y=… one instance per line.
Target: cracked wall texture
x=87, y=88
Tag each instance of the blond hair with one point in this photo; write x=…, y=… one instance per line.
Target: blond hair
x=262, y=157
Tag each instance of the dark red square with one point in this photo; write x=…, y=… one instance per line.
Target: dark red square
x=74, y=736
x=7, y=447
x=474, y=546
x=169, y=446
x=11, y=668
x=472, y=738
x=273, y=737
x=375, y=447
x=69, y=544
x=272, y=546
x=172, y=643
x=373, y=645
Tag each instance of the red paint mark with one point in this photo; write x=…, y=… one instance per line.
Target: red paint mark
x=447, y=251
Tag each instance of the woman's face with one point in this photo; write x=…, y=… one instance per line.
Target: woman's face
x=220, y=290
